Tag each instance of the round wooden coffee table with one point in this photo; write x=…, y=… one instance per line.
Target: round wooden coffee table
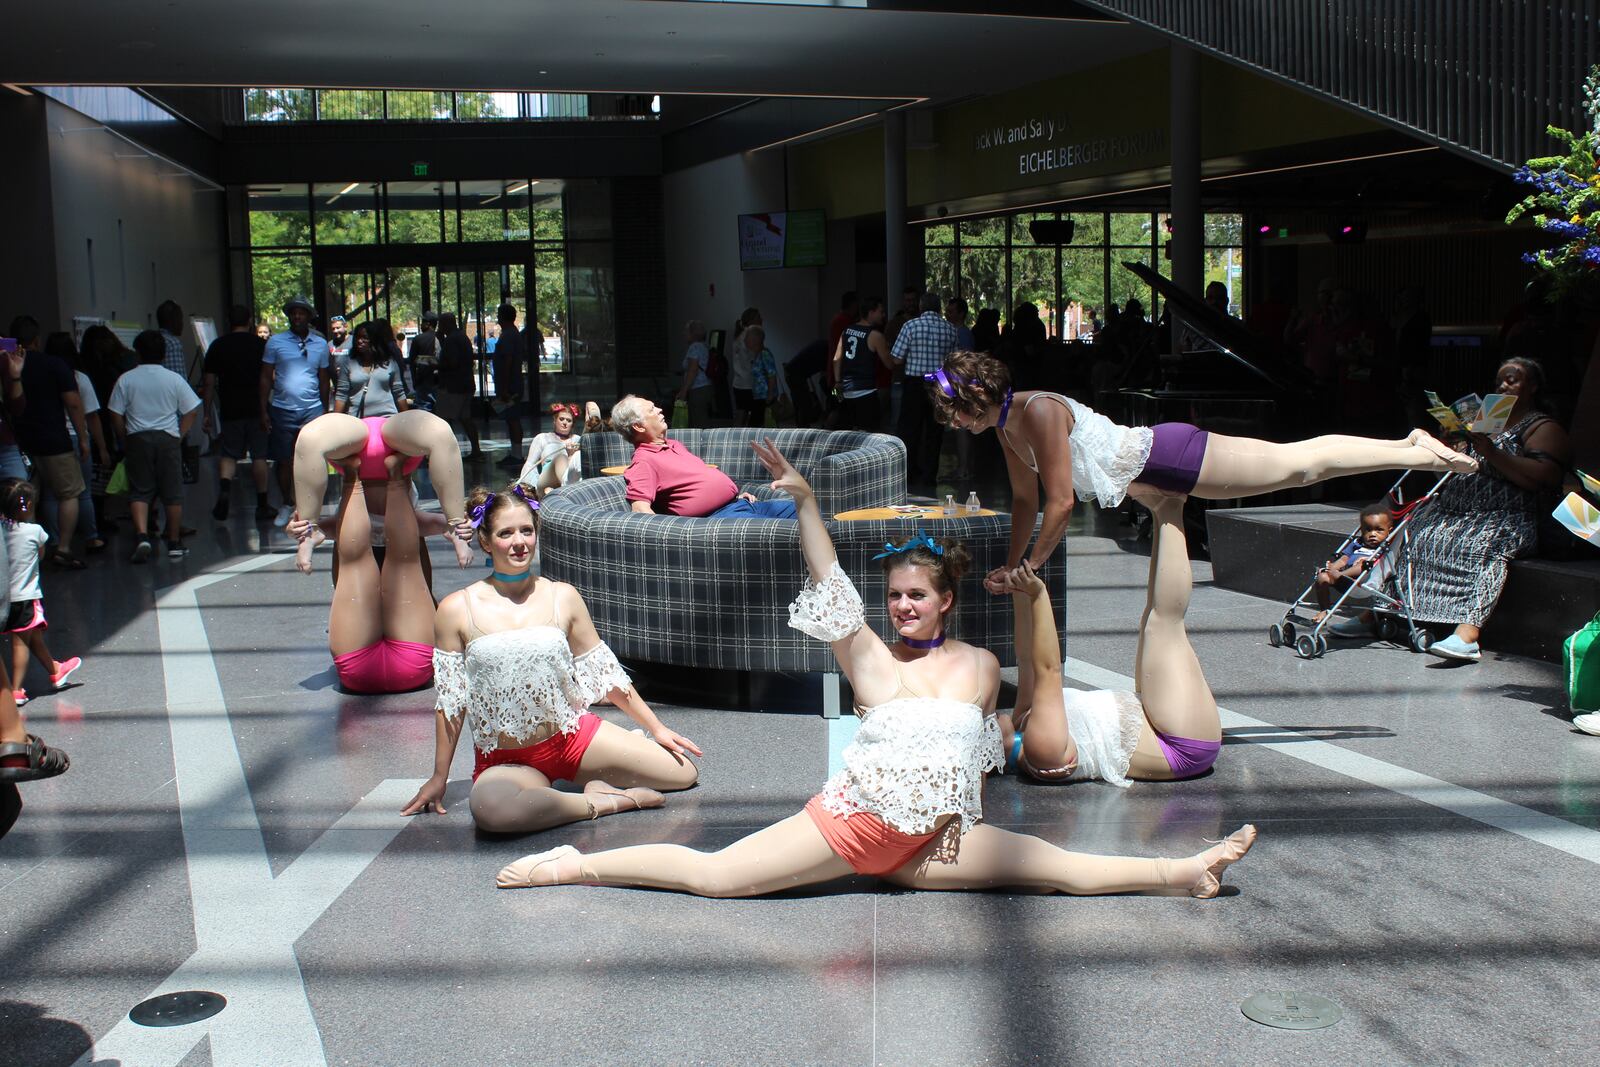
x=924, y=514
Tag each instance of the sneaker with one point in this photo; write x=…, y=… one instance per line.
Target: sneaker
x=143, y=551
x=265, y=512
x=510, y=463
x=1453, y=647
x=67, y=666
x=220, y=510
x=1352, y=627
x=176, y=550
x=20, y=695
x=285, y=513
x=1589, y=724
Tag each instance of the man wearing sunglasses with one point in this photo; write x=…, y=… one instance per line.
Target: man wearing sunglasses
x=295, y=385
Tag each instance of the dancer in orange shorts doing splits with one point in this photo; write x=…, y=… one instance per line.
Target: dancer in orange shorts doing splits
x=908, y=804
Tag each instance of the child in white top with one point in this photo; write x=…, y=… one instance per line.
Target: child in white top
x=25, y=621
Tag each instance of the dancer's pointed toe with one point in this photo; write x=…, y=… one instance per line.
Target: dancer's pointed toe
x=1228, y=851
x=538, y=869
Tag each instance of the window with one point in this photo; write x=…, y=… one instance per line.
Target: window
x=423, y=105
x=993, y=262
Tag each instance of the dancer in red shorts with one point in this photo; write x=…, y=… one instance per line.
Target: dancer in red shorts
x=907, y=805
x=519, y=662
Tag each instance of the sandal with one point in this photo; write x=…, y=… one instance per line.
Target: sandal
x=93, y=545
x=66, y=561
x=43, y=761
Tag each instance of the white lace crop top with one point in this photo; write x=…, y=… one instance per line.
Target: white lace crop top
x=1105, y=725
x=1106, y=457
x=915, y=759
x=516, y=681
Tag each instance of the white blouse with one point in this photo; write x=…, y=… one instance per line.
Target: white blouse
x=516, y=682
x=915, y=760
x=1105, y=725
x=1106, y=457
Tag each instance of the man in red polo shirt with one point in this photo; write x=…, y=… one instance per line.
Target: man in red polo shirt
x=666, y=478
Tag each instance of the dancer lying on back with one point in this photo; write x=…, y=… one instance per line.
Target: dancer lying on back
x=1077, y=452
x=908, y=803
x=1168, y=729
x=519, y=662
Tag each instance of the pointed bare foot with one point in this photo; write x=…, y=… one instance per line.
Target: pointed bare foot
x=558, y=866
x=1220, y=857
x=307, y=545
x=1456, y=462
x=606, y=799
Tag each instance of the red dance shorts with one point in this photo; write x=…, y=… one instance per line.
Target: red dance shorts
x=556, y=758
x=864, y=841
x=386, y=666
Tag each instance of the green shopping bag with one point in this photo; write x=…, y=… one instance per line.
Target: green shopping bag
x=118, y=485
x=1580, y=656
x=680, y=416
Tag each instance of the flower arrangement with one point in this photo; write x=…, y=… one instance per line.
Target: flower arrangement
x=1565, y=201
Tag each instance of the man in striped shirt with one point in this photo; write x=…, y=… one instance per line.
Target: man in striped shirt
x=922, y=345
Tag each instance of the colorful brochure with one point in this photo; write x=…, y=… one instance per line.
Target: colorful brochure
x=1493, y=414
x=1579, y=516
x=1590, y=482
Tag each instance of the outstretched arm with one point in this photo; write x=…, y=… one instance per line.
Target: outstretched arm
x=582, y=637
x=862, y=655
x=447, y=637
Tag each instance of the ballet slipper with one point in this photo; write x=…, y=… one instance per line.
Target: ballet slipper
x=639, y=797
x=531, y=871
x=1455, y=462
x=307, y=545
x=1220, y=857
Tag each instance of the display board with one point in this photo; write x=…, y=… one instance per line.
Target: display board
x=782, y=239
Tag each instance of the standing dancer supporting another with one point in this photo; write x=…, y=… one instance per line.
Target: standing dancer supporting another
x=507, y=665
x=1073, y=449
x=908, y=803
x=412, y=435
x=1168, y=729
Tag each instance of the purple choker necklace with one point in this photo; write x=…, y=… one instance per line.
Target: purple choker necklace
x=1005, y=411
x=912, y=642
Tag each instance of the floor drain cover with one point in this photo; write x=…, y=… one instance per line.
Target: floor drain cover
x=178, y=1009
x=1292, y=1011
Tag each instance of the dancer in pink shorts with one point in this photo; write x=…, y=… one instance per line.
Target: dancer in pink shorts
x=1075, y=452
x=380, y=627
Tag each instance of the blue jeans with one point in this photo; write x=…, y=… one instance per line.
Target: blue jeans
x=12, y=464
x=761, y=509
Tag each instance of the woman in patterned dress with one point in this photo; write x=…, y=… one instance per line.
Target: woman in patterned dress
x=1478, y=523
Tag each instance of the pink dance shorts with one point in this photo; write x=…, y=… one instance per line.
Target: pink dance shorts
x=372, y=457
x=864, y=841
x=386, y=666
x=556, y=758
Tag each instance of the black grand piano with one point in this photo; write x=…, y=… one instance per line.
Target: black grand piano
x=1240, y=385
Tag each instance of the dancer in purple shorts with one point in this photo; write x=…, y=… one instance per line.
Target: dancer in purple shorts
x=1077, y=452
x=1168, y=728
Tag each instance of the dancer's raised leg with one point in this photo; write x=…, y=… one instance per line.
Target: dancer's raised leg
x=991, y=858
x=782, y=856
x=326, y=439
x=514, y=799
x=422, y=433
x=1243, y=466
x=1177, y=699
x=407, y=610
x=356, y=619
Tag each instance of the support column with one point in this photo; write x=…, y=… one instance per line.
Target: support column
x=1187, y=266
x=894, y=203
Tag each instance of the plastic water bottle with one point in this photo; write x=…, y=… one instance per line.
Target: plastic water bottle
x=950, y=504
x=973, y=507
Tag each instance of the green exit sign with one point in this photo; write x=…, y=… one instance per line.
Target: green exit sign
x=419, y=170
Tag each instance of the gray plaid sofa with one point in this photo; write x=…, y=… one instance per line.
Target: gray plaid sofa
x=715, y=593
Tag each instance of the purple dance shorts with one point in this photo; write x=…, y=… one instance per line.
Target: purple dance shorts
x=1175, y=457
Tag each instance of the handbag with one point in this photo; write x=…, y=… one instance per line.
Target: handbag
x=117, y=484
x=1580, y=660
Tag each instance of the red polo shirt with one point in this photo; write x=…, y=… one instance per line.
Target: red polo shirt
x=673, y=480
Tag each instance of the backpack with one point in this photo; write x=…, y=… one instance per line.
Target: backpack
x=1580, y=658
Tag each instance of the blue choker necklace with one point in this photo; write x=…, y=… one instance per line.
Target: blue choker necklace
x=912, y=642
x=524, y=576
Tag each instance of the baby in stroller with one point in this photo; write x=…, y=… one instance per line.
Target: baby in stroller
x=1363, y=564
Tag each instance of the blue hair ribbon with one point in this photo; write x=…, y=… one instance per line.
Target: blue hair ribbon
x=921, y=540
